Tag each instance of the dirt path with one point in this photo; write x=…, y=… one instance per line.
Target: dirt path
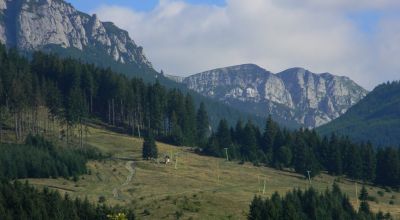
x=130, y=166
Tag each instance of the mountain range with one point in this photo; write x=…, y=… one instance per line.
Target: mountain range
x=55, y=26
x=295, y=95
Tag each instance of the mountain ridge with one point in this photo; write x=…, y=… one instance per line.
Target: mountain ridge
x=296, y=94
x=34, y=25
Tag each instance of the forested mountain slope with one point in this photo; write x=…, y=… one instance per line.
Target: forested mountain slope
x=375, y=118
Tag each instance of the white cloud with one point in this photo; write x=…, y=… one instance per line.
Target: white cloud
x=182, y=39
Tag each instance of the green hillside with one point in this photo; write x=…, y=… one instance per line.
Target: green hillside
x=198, y=187
x=376, y=118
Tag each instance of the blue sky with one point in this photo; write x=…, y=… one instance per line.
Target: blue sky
x=367, y=20
x=138, y=5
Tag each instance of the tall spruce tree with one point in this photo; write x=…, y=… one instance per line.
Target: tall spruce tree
x=335, y=164
x=268, y=143
x=388, y=167
x=223, y=135
x=176, y=136
x=157, y=99
x=364, y=206
x=239, y=133
x=203, y=125
x=149, y=149
x=1, y=105
x=354, y=162
x=189, y=126
x=249, y=147
x=368, y=162
x=299, y=158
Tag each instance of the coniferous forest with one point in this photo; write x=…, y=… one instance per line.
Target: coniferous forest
x=73, y=92
x=39, y=158
x=21, y=201
x=304, y=150
x=309, y=204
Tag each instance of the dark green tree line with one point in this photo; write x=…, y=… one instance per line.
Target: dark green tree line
x=38, y=158
x=309, y=204
x=21, y=201
x=73, y=93
x=304, y=150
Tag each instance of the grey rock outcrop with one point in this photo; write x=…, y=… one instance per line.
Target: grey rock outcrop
x=35, y=24
x=295, y=94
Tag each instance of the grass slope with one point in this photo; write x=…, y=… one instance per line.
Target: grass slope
x=200, y=188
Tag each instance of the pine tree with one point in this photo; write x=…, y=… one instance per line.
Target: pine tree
x=149, y=150
x=299, y=157
x=2, y=119
x=388, y=167
x=223, y=135
x=239, y=133
x=354, y=162
x=268, y=143
x=335, y=164
x=189, y=128
x=249, y=147
x=368, y=162
x=176, y=133
x=76, y=111
x=203, y=125
x=156, y=101
x=364, y=206
x=284, y=156
x=257, y=210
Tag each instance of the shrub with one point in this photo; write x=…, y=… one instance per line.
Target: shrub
x=146, y=212
x=102, y=199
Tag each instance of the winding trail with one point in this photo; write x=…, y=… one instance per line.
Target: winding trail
x=130, y=166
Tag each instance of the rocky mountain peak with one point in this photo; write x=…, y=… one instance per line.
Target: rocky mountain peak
x=3, y=4
x=296, y=94
x=37, y=24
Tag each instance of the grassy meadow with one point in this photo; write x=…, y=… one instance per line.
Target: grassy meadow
x=197, y=187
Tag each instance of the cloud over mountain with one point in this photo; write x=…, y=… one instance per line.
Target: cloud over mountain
x=183, y=38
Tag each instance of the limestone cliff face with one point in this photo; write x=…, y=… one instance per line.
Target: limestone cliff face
x=3, y=7
x=295, y=94
x=35, y=24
